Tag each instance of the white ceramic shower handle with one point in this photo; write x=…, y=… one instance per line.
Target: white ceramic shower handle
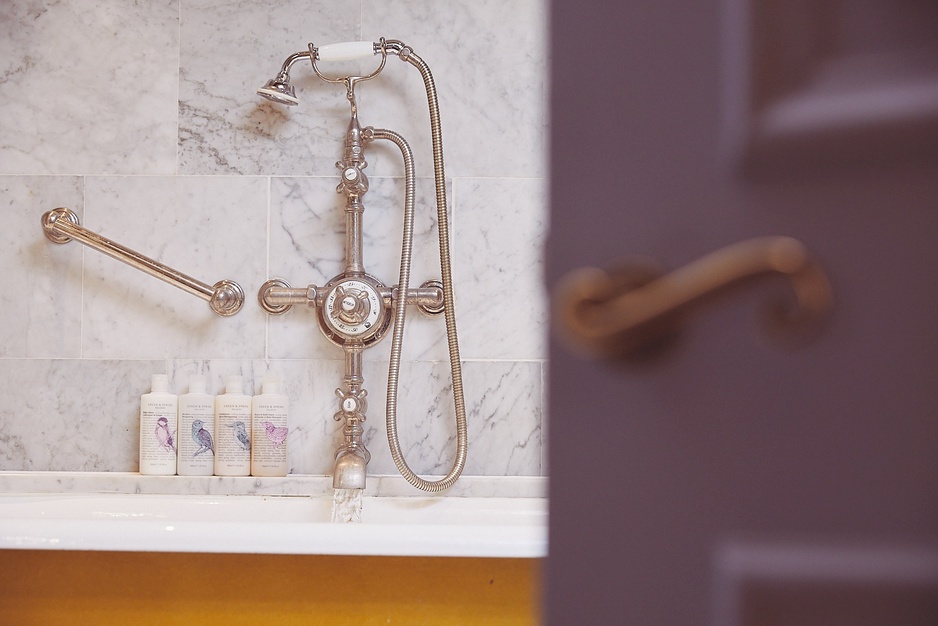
x=346, y=51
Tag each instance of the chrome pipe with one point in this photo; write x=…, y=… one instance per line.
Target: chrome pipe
x=354, y=185
x=428, y=297
x=290, y=60
x=61, y=225
x=351, y=457
x=277, y=297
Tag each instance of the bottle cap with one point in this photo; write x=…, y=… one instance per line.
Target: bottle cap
x=234, y=384
x=159, y=383
x=271, y=383
x=197, y=383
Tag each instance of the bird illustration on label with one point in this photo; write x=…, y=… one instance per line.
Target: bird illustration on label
x=241, y=435
x=201, y=437
x=163, y=436
x=276, y=434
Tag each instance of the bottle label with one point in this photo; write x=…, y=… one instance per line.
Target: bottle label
x=158, y=444
x=233, y=440
x=269, y=456
x=196, y=437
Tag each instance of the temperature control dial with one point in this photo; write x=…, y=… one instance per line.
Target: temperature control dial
x=353, y=309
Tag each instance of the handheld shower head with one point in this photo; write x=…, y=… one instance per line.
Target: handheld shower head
x=279, y=90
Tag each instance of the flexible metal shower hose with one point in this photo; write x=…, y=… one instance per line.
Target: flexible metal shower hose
x=404, y=282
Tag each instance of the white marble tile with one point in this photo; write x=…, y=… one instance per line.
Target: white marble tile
x=498, y=242
x=72, y=414
x=314, y=434
x=40, y=288
x=88, y=87
x=110, y=107
x=503, y=406
x=211, y=228
x=492, y=92
x=489, y=61
x=307, y=237
x=227, y=51
x=504, y=400
x=545, y=421
x=307, y=246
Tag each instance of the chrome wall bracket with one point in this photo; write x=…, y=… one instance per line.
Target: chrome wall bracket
x=61, y=225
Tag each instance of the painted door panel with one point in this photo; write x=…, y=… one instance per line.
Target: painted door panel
x=730, y=480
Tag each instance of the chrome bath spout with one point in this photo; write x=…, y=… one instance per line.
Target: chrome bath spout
x=350, y=470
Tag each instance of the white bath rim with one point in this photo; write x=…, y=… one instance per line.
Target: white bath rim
x=495, y=526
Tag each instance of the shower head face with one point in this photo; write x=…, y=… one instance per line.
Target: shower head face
x=279, y=91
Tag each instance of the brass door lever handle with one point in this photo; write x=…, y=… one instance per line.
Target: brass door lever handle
x=625, y=312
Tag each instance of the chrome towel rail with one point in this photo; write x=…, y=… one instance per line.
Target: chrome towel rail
x=61, y=226
x=629, y=310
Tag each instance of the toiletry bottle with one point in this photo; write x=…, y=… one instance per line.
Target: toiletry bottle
x=269, y=423
x=158, y=428
x=196, y=440
x=233, y=430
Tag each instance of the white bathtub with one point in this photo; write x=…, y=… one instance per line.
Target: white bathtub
x=278, y=524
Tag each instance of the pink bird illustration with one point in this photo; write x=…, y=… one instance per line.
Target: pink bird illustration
x=276, y=434
x=163, y=436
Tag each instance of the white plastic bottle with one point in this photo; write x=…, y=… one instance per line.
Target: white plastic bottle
x=158, y=428
x=269, y=413
x=196, y=430
x=233, y=430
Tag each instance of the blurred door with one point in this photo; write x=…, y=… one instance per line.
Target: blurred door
x=730, y=480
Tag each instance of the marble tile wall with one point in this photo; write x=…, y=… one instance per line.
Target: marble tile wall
x=141, y=117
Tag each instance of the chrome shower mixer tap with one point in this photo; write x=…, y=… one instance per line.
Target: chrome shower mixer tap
x=355, y=309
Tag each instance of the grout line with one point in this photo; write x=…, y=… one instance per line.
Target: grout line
x=178, y=81
x=453, y=229
x=81, y=299
x=271, y=176
x=267, y=271
x=544, y=422
x=337, y=358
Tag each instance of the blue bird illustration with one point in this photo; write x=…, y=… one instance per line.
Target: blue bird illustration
x=163, y=436
x=202, y=437
x=276, y=434
x=241, y=435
